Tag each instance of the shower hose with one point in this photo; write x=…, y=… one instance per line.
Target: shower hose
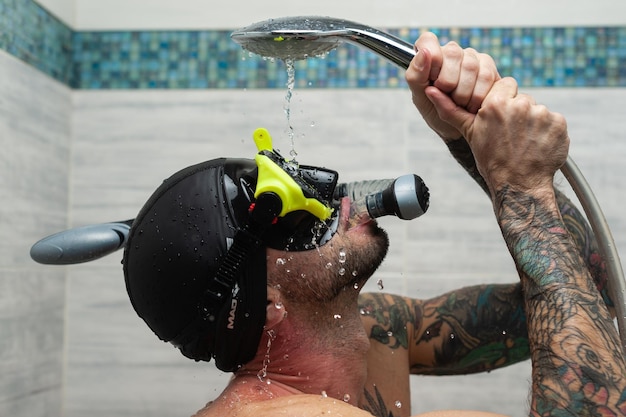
x=617, y=285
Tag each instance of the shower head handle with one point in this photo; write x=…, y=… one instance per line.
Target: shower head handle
x=384, y=44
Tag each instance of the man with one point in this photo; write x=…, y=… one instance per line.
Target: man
x=279, y=304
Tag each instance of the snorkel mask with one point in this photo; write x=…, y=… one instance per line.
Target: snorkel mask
x=308, y=214
x=208, y=296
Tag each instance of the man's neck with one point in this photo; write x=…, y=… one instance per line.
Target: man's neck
x=296, y=358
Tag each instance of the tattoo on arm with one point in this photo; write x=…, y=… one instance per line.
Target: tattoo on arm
x=375, y=404
x=469, y=330
x=583, y=236
x=578, y=363
x=575, y=223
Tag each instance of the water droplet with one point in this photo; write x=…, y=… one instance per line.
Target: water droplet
x=286, y=356
x=342, y=256
x=337, y=316
x=342, y=271
x=312, y=121
x=329, y=265
x=390, y=333
x=278, y=305
x=354, y=273
x=398, y=404
x=452, y=336
x=379, y=283
x=324, y=395
x=346, y=397
x=280, y=261
x=356, y=286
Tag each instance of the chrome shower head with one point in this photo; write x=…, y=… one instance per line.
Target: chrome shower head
x=301, y=37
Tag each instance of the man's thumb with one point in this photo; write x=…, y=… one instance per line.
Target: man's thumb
x=449, y=112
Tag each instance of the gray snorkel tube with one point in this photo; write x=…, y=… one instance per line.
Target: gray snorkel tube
x=81, y=244
x=293, y=38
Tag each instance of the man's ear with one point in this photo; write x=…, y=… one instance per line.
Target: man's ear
x=275, y=310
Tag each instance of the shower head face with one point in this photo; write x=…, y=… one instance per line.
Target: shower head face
x=292, y=38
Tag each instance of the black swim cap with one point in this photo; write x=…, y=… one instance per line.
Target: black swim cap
x=195, y=260
x=171, y=259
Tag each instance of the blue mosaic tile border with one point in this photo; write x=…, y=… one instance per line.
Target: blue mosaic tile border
x=33, y=35
x=538, y=57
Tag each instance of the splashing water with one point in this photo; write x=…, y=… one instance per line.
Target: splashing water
x=262, y=374
x=291, y=82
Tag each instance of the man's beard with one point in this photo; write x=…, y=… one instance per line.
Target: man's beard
x=335, y=268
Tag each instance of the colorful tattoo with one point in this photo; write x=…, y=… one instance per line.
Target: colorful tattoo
x=574, y=221
x=578, y=363
x=582, y=234
x=470, y=330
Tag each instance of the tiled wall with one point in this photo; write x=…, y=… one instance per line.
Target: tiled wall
x=34, y=187
x=33, y=35
x=553, y=56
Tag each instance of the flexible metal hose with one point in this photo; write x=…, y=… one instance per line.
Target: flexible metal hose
x=617, y=284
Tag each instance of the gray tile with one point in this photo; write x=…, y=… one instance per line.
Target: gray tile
x=35, y=162
x=31, y=349
x=34, y=171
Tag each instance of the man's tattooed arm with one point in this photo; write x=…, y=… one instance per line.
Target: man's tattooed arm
x=477, y=328
x=575, y=222
x=578, y=364
x=469, y=330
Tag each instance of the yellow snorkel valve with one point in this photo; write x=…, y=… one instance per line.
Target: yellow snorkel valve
x=274, y=178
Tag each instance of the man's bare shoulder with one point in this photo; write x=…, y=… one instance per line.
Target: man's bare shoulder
x=301, y=405
x=304, y=405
